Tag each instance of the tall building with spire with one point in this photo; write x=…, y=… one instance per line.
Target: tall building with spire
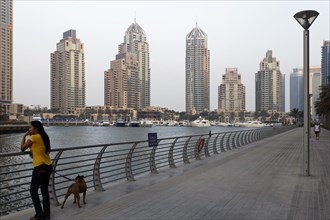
x=197, y=71
x=268, y=84
x=231, y=93
x=68, y=74
x=6, y=56
x=127, y=82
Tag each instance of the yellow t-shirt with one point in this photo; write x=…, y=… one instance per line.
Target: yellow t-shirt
x=38, y=151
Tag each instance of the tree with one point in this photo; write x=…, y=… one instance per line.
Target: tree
x=294, y=113
x=322, y=105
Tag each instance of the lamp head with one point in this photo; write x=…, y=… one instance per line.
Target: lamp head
x=306, y=18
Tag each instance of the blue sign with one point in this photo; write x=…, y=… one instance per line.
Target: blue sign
x=152, y=139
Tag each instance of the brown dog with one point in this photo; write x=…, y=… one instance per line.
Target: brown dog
x=78, y=187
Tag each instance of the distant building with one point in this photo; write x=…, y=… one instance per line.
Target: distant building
x=231, y=93
x=325, y=62
x=127, y=82
x=315, y=83
x=269, y=84
x=297, y=89
x=68, y=74
x=283, y=93
x=6, y=58
x=122, y=86
x=197, y=71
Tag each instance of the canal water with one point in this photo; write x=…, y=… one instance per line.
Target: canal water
x=73, y=136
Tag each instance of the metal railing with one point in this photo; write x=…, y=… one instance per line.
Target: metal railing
x=108, y=163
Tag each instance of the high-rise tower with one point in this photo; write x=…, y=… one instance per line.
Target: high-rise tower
x=297, y=89
x=121, y=82
x=269, y=84
x=325, y=62
x=197, y=71
x=6, y=56
x=231, y=93
x=68, y=74
x=135, y=42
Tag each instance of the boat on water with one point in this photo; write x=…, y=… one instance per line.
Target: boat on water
x=200, y=122
x=120, y=123
x=146, y=123
x=36, y=117
x=134, y=123
x=252, y=124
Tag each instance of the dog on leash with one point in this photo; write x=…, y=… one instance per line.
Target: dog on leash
x=78, y=187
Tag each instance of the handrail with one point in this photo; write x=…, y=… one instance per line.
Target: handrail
x=103, y=164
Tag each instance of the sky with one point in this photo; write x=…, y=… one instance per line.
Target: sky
x=239, y=35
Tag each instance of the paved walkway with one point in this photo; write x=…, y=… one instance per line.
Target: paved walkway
x=258, y=181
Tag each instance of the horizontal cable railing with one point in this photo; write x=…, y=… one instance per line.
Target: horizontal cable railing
x=105, y=164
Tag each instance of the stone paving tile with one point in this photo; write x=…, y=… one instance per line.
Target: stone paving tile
x=262, y=180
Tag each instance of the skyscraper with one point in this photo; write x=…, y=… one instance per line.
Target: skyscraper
x=6, y=56
x=314, y=88
x=325, y=62
x=297, y=89
x=268, y=84
x=135, y=41
x=122, y=83
x=231, y=93
x=197, y=71
x=68, y=74
x=283, y=93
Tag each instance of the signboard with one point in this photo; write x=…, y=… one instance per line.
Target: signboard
x=152, y=139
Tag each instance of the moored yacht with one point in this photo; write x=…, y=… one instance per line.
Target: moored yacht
x=120, y=123
x=200, y=122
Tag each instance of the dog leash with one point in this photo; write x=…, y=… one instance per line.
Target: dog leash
x=63, y=176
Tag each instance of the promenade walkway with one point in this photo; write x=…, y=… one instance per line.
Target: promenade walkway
x=263, y=180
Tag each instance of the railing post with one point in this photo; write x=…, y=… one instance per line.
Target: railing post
x=128, y=164
x=244, y=135
x=222, y=149
x=215, y=150
x=185, y=152
x=236, y=139
x=51, y=185
x=206, y=147
x=152, y=161
x=170, y=154
x=96, y=171
x=228, y=146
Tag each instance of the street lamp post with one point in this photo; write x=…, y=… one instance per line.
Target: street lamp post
x=305, y=19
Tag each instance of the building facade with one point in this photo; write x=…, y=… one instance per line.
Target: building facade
x=122, y=85
x=197, y=71
x=231, y=93
x=135, y=42
x=315, y=83
x=6, y=58
x=325, y=62
x=269, y=85
x=297, y=89
x=68, y=74
x=283, y=93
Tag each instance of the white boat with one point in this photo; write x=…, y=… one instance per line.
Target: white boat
x=36, y=117
x=200, y=122
x=146, y=123
x=120, y=123
x=134, y=123
x=252, y=124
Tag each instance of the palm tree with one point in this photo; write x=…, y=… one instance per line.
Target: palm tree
x=322, y=105
x=294, y=113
